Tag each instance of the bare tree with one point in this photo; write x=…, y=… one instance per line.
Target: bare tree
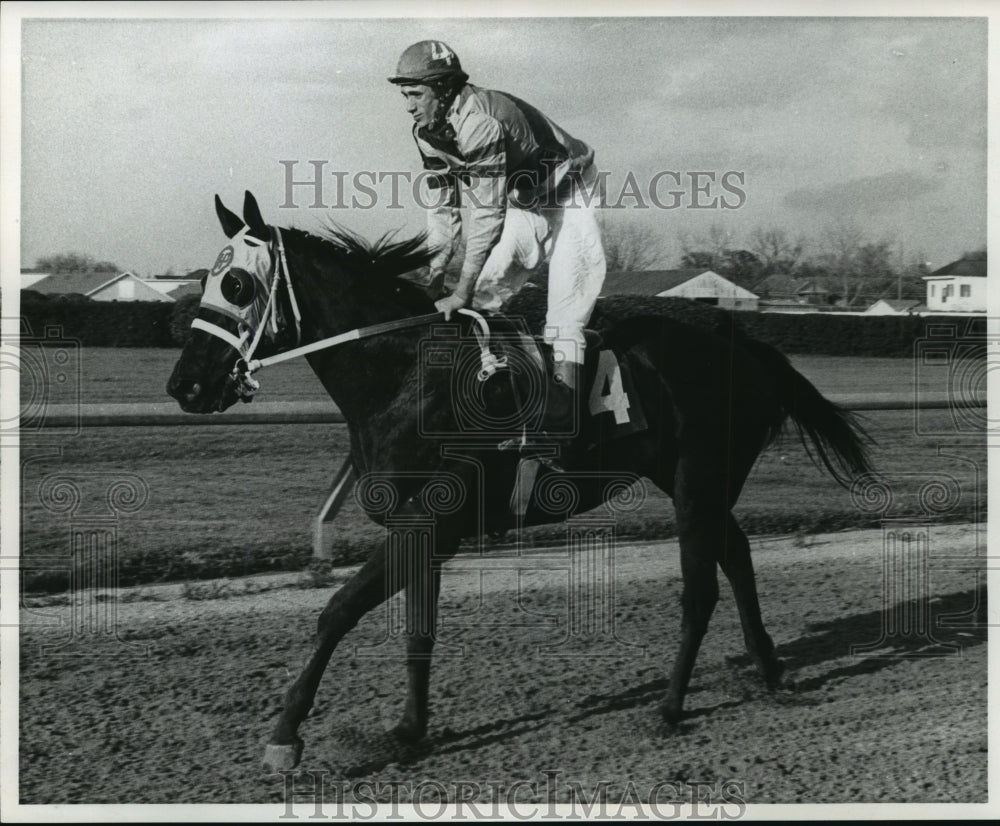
x=862, y=268
x=712, y=249
x=74, y=262
x=631, y=246
x=841, y=243
x=777, y=253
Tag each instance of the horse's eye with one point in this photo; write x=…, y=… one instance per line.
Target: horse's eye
x=238, y=287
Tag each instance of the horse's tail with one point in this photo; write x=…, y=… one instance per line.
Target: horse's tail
x=840, y=442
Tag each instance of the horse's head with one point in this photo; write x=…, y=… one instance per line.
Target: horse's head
x=249, y=309
x=233, y=316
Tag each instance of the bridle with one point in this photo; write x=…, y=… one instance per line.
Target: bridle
x=246, y=365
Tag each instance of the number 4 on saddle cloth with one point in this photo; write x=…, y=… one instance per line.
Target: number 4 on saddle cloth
x=506, y=408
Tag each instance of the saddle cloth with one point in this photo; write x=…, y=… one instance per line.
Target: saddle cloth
x=609, y=406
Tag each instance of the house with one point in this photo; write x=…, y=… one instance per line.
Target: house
x=175, y=288
x=105, y=286
x=777, y=286
x=812, y=292
x=29, y=277
x=789, y=306
x=99, y=286
x=697, y=284
x=958, y=287
x=895, y=306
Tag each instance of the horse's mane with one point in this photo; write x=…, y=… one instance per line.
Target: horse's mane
x=385, y=257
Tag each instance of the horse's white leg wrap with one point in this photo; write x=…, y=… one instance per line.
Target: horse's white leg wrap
x=282, y=757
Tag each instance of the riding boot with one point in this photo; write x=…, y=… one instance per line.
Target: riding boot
x=560, y=419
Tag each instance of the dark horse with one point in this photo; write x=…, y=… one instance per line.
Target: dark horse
x=711, y=401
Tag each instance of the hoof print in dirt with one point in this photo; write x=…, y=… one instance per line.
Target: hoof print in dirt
x=363, y=754
x=667, y=729
x=783, y=685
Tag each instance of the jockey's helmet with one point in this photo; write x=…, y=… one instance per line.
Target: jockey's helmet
x=427, y=62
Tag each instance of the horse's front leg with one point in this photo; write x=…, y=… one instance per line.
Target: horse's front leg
x=369, y=587
x=422, y=593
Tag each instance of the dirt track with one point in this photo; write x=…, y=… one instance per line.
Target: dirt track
x=187, y=723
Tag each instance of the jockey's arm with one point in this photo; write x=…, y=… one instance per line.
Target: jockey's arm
x=444, y=225
x=484, y=193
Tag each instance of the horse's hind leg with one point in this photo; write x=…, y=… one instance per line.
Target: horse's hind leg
x=701, y=592
x=735, y=562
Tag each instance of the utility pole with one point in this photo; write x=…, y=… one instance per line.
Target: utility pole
x=899, y=275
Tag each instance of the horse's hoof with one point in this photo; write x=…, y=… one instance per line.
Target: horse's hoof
x=672, y=715
x=777, y=679
x=407, y=736
x=774, y=674
x=282, y=757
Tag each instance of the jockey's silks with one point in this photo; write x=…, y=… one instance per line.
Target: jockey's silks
x=494, y=149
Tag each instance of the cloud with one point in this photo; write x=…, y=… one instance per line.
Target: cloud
x=757, y=63
x=142, y=121
x=871, y=193
x=938, y=87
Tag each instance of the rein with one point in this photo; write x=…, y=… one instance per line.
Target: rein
x=246, y=365
x=254, y=365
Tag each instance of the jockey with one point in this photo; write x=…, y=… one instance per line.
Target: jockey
x=532, y=192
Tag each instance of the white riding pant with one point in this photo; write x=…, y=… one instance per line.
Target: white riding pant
x=569, y=236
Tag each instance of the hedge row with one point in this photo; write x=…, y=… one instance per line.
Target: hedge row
x=102, y=323
x=155, y=324
x=844, y=335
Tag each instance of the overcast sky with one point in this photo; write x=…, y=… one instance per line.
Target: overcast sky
x=131, y=127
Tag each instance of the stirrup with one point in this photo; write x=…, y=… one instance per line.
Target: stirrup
x=593, y=339
x=540, y=448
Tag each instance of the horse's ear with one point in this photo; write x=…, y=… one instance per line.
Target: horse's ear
x=231, y=223
x=253, y=218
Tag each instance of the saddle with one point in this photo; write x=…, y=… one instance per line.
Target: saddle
x=493, y=374
x=499, y=373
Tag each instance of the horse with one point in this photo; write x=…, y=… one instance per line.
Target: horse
x=709, y=397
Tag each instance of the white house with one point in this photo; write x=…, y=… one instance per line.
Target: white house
x=958, y=287
x=895, y=306
x=696, y=284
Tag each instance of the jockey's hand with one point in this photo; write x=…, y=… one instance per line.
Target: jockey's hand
x=449, y=304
